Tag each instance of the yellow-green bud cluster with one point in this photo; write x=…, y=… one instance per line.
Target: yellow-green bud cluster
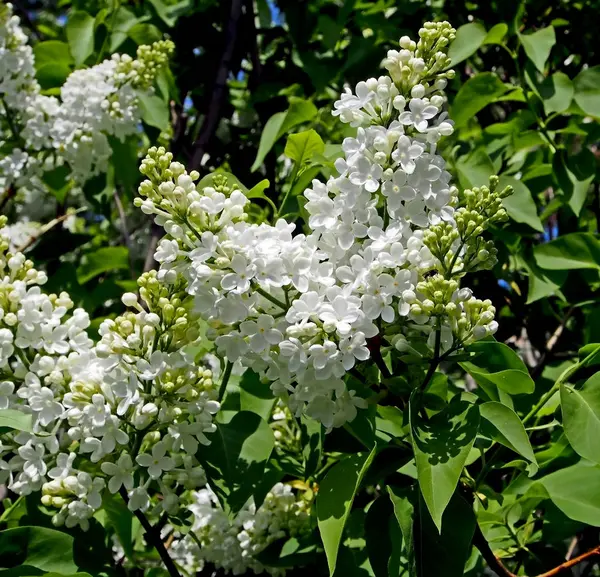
x=142, y=71
x=476, y=322
x=434, y=297
x=422, y=62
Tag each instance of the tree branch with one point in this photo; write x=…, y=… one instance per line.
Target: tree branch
x=153, y=537
x=495, y=564
x=213, y=115
x=125, y=231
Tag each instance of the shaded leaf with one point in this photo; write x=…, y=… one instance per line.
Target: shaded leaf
x=236, y=457
x=556, y=92
x=335, y=498
x=574, y=174
x=444, y=552
x=507, y=429
x=39, y=547
x=256, y=396
x=581, y=417
x=497, y=365
x=442, y=445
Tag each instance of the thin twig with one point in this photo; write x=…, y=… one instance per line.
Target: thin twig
x=547, y=353
x=22, y=13
x=155, y=235
x=125, y=231
x=47, y=227
x=492, y=561
x=595, y=552
x=225, y=380
x=211, y=120
x=495, y=564
x=153, y=537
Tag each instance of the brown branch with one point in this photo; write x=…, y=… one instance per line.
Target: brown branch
x=22, y=13
x=125, y=231
x=548, y=351
x=211, y=120
x=572, y=562
x=10, y=192
x=495, y=564
x=153, y=537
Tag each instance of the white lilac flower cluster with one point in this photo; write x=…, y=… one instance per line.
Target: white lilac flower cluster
x=133, y=409
x=301, y=310
x=232, y=545
x=43, y=132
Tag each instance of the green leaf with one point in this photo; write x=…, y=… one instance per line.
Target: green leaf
x=581, y=417
x=144, y=33
x=442, y=445
x=169, y=12
x=281, y=123
x=103, y=260
x=52, y=75
x=121, y=521
x=378, y=534
x=300, y=111
x=444, y=552
x=312, y=443
x=587, y=90
x=576, y=492
x=475, y=169
x=256, y=396
x=575, y=174
x=45, y=549
x=497, y=365
x=59, y=181
x=537, y=46
x=268, y=138
x=258, y=191
x=474, y=95
x=122, y=21
x=496, y=34
x=236, y=457
x=15, y=420
x=335, y=498
x=520, y=205
x=155, y=111
x=302, y=147
x=52, y=52
x=577, y=250
x=469, y=37
x=556, y=92
x=507, y=429
x=125, y=161
x=404, y=511
x=80, y=35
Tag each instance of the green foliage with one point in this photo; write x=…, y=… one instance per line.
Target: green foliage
x=504, y=439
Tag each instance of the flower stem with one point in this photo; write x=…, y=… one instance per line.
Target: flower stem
x=270, y=298
x=153, y=536
x=225, y=380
